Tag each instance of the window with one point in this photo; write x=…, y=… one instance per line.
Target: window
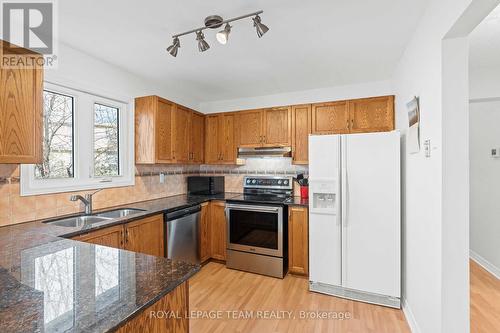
x=86, y=143
x=106, y=145
x=57, y=156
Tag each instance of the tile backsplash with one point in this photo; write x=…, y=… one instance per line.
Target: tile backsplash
x=17, y=209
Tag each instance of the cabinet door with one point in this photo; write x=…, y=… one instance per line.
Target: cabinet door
x=250, y=129
x=330, y=118
x=112, y=237
x=146, y=236
x=182, y=134
x=212, y=139
x=205, y=250
x=298, y=240
x=372, y=114
x=197, y=137
x=277, y=127
x=21, y=112
x=164, y=131
x=301, y=128
x=218, y=230
x=227, y=148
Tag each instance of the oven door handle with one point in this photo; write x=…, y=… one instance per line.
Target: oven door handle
x=263, y=209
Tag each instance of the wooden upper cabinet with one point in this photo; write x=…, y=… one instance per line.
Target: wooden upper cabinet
x=21, y=111
x=219, y=139
x=249, y=132
x=212, y=155
x=182, y=134
x=330, y=118
x=277, y=127
x=301, y=128
x=226, y=136
x=166, y=132
x=372, y=114
x=197, y=137
x=146, y=236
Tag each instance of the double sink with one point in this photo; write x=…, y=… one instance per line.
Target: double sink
x=88, y=220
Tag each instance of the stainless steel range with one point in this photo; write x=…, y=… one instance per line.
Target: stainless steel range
x=257, y=226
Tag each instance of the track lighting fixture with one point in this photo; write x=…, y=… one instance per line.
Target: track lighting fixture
x=261, y=28
x=202, y=44
x=172, y=49
x=214, y=22
x=223, y=35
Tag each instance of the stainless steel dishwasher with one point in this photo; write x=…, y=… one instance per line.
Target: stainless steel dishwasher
x=182, y=234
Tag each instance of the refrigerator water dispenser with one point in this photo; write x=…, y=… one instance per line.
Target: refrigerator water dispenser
x=323, y=196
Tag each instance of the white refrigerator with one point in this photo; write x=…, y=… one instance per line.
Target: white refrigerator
x=355, y=216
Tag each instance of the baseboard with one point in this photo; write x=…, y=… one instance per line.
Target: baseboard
x=410, y=318
x=494, y=270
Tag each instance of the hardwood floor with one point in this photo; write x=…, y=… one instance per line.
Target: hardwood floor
x=485, y=300
x=217, y=288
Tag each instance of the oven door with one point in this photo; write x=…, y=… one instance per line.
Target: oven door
x=255, y=229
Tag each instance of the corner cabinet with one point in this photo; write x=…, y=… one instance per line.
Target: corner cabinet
x=298, y=240
x=219, y=139
x=143, y=236
x=166, y=132
x=21, y=111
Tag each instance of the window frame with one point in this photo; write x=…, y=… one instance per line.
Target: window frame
x=83, y=147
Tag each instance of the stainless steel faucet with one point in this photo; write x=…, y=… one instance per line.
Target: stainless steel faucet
x=87, y=201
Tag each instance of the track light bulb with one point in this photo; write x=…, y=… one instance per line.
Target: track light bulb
x=259, y=26
x=223, y=35
x=202, y=44
x=173, y=49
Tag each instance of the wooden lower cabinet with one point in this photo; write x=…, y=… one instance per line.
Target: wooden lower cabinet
x=218, y=230
x=143, y=236
x=112, y=237
x=205, y=239
x=150, y=320
x=146, y=236
x=298, y=240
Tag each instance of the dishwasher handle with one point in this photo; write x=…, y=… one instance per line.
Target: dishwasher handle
x=183, y=212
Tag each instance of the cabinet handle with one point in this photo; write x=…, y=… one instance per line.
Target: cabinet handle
x=126, y=235
x=122, y=238
x=352, y=123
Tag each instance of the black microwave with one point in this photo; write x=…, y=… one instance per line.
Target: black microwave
x=205, y=185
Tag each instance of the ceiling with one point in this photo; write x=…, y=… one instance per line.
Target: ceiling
x=311, y=44
x=485, y=42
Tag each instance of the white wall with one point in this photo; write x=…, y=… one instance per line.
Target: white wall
x=420, y=72
x=484, y=83
x=360, y=90
x=77, y=69
x=485, y=182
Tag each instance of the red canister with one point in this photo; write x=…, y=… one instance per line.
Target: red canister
x=304, y=192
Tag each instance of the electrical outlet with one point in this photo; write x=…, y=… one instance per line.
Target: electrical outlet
x=162, y=178
x=427, y=148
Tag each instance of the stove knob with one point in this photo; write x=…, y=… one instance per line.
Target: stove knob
x=248, y=181
x=254, y=181
x=279, y=182
x=285, y=182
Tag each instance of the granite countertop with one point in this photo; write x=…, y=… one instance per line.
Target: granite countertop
x=298, y=201
x=149, y=208
x=52, y=284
